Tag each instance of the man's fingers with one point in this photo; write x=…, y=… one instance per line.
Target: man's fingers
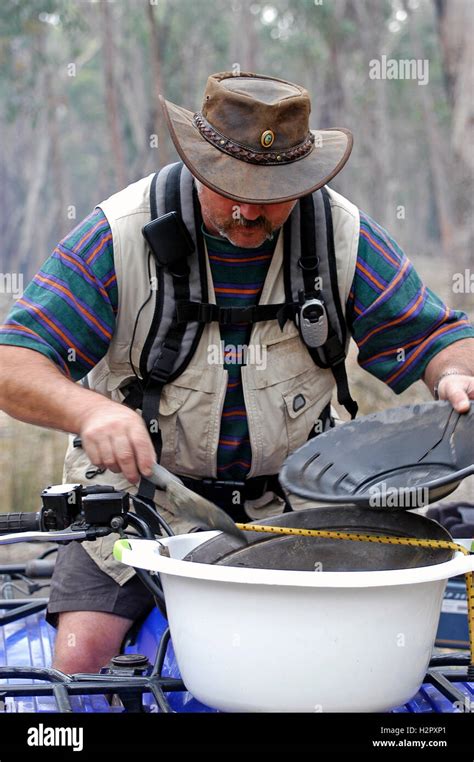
x=133, y=453
x=457, y=390
x=144, y=452
x=92, y=451
x=106, y=453
x=125, y=457
x=460, y=401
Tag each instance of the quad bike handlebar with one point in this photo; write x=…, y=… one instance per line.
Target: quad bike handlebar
x=75, y=512
x=75, y=509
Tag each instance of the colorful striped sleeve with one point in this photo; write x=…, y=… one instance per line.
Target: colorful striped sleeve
x=68, y=310
x=397, y=322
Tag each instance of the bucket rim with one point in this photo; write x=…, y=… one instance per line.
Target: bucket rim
x=145, y=554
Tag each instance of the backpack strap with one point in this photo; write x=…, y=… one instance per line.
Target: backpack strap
x=170, y=344
x=174, y=191
x=310, y=275
x=335, y=348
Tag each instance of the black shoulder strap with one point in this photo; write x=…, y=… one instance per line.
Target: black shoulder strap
x=335, y=348
x=166, y=357
x=307, y=256
x=163, y=366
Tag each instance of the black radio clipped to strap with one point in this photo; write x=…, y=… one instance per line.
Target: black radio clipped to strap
x=170, y=242
x=312, y=321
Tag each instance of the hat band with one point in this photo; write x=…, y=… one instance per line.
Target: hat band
x=238, y=151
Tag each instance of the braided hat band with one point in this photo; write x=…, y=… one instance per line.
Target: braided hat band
x=239, y=151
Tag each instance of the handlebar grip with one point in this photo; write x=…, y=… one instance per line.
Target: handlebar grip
x=19, y=522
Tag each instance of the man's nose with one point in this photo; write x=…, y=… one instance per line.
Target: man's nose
x=251, y=211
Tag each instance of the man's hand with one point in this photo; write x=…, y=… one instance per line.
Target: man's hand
x=32, y=389
x=116, y=438
x=458, y=389
x=450, y=374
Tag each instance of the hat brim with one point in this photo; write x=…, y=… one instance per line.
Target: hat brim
x=250, y=183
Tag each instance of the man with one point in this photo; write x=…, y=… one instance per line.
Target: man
x=90, y=311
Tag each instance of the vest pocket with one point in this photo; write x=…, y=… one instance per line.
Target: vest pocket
x=304, y=404
x=190, y=417
x=284, y=401
x=170, y=404
x=195, y=428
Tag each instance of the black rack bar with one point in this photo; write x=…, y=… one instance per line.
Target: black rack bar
x=161, y=653
x=20, y=607
x=450, y=660
x=62, y=687
x=62, y=698
x=155, y=686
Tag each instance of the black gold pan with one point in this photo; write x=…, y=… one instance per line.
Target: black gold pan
x=398, y=459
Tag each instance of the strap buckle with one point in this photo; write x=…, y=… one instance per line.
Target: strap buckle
x=230, y=315
x=201, y=312
x=164, y=363
x=308, y=264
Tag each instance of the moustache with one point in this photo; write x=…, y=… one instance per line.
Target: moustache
x=259, y=222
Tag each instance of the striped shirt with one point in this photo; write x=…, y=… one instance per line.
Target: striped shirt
x=68, y=313
x=68, y=310
x=238, y=276
x=397, y=322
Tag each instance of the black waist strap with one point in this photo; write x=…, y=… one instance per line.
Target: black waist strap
x=209, y=313
x=231, y=495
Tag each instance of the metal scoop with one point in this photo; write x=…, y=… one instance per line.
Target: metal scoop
x=192, y=506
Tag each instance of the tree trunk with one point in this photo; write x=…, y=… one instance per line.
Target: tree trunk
x=161, y=130
x=437, y=150
x=31, y=217
x=58, y=203
x=136, y=102
x=245, y=39
x=456, y=35
x=111, y=99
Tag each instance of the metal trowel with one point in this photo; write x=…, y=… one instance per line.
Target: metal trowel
x=192, y=506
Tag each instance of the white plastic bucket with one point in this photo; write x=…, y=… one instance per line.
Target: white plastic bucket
x=251, y=640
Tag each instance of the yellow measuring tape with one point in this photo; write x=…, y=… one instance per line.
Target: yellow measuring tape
x=385, y=541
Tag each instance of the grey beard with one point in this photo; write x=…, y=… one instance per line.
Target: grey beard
x=223, y=234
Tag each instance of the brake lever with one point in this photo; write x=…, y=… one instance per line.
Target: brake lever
x=62, y=535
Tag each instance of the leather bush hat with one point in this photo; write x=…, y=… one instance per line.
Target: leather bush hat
x=251, y=140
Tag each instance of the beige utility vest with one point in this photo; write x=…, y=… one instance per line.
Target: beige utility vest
x=191, y=406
